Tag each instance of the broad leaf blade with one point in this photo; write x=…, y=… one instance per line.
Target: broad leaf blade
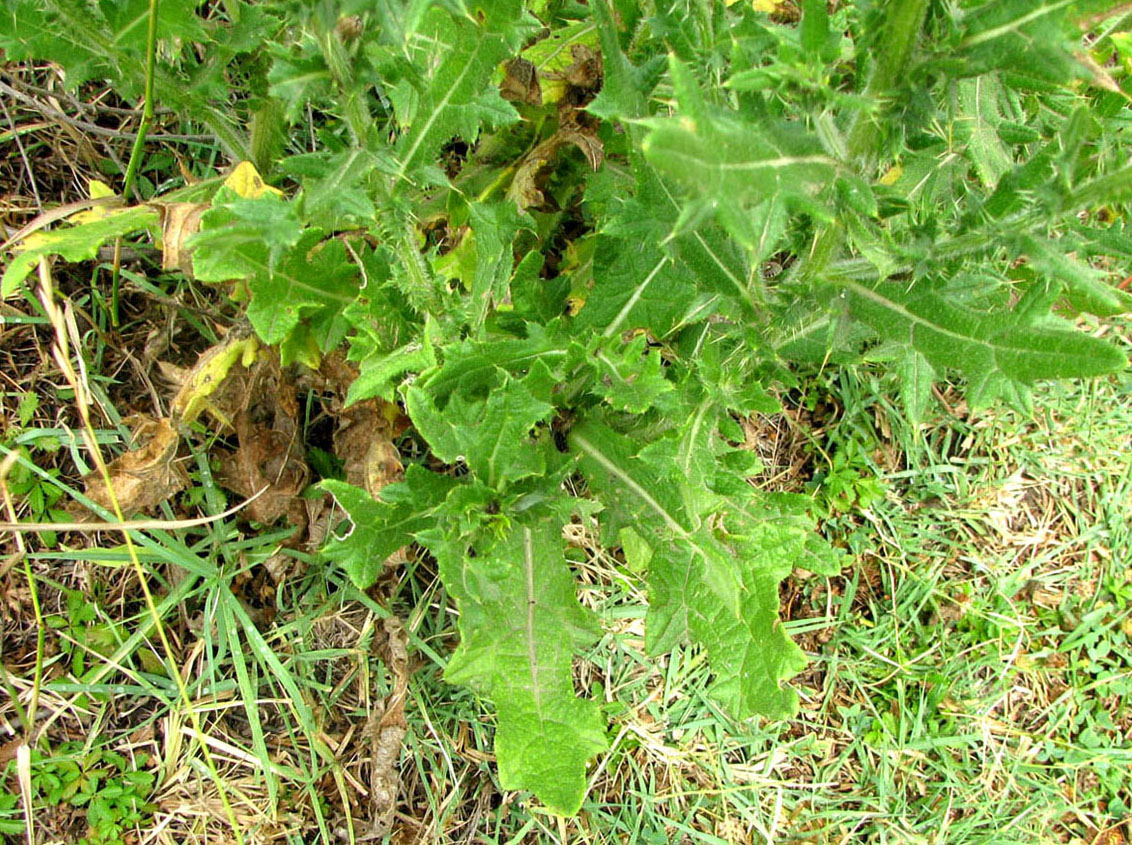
x=520, y=625
x=380, y=527
x=993, y=350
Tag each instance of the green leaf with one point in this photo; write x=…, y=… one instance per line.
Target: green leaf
x=293, y=274
x=380, y=371
x=997, y=352
x=29, y=30
x=473, y=366
x=1086, y=287
x=494, y=227
x=520, y=625
x=730, y=160
x=646, y=273
x=814, y=29
x=657, y=493
x=979, y=98
x=624, y=87
x=629, y=376
x=1034, y=38
x=314, y=281
x=335, y=190
x=129, y=21
x=750, y=653
x=454, y=93
x=300, y=76
x=77, y=242
x=381, y=527
x=241, y=236
x=493, y=434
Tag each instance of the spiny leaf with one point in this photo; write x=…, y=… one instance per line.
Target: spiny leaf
x=758, y=544
x=657, y=494
x=494, y=227
x=983, y=117
x=335, y=190
x=240, y=236
x=628, y=376
x=730, y=160
x=313, y=282
x=378, y=528
x=1086, y=287
x=454, y=94
x=491, y=434
x=992, y=350
x=520, y=625
x=1031, y=38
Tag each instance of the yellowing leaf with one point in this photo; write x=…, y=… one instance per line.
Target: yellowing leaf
x=892, y=175
x=100, y=190
x=246, y=181
x=210, y=372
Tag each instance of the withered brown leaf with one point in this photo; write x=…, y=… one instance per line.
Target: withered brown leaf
x=269, y=456
x=145, y=476
x=179, y=220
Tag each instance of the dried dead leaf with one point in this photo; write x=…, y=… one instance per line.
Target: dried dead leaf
x=145, y=476
x=520, y=83
x=364, y=442
x=587, y=71
x=525, y=187
x=179, y=221
x=270, y=454
x=387, y=727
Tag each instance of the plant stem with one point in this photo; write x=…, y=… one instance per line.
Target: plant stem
x=136, y=152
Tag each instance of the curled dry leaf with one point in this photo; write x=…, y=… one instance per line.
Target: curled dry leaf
x=574, y=129
x=199, y=386
x=586, y=72
x=145, y=476
x=520, y=83
x=525, y=187
x=364, y=442
x=387, y=728
x=270, y=456
x=179, y=221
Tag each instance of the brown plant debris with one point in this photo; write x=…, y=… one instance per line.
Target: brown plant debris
x=179, y=220
x=387, y=727
x=145, y=476
x=520, y=83
x=270, y=456
x=364, y=442
x=575, y=128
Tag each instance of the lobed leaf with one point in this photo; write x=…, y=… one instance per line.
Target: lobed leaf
x=520, y=625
